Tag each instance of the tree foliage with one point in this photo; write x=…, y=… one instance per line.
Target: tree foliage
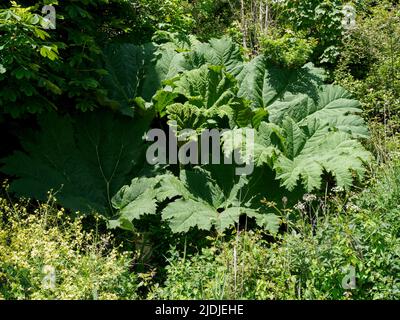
x=62, y=69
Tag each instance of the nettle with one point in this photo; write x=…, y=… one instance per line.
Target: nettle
x=305, y=131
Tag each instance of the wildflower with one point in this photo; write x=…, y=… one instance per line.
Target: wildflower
x=300, y=206
x=309, y=197
x=352, y=207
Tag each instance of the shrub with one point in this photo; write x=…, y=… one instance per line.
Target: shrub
x=46, y=255
x=369, y=64
x=290, y=50
x=304, y=128
x=319, y=19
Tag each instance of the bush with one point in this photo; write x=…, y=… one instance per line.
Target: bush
x=318, y=19
x=369, y=64
x=46, y=255
x=310, y=261
x=290, y=50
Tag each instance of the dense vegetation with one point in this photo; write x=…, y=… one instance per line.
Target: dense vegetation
x=84, y=214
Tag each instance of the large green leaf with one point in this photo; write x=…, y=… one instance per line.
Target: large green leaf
x=138, y=71
x=268, y=141
x=135, y=200
x=304, y=129
x=126, y=66
x=303, y=152
x=310, y=136
x=85, y=160
x=196, y=200
x=334, y=107
x=209, y=94
x=313, y=150
x=207, y=87
x=218, y=52
x=202, y=203
x=263, y=84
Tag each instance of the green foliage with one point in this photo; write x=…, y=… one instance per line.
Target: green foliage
x=138, y=71
x=169, y=15
x=290, y=50
x=85, y=160
x=219, y=52
x=140, y=59
x=25, y=53
x=306, y=129
x=304, y=153
x=209, y=93
x=318, y=19
x=289, y=31
x=312, y=156
x=127, y=65
x=369, y=64
x=263, y=84
x=45, y=255
x=62, y=69
x=204, y=201
x=308, y=263
x=213, y=17
x=318, y=138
